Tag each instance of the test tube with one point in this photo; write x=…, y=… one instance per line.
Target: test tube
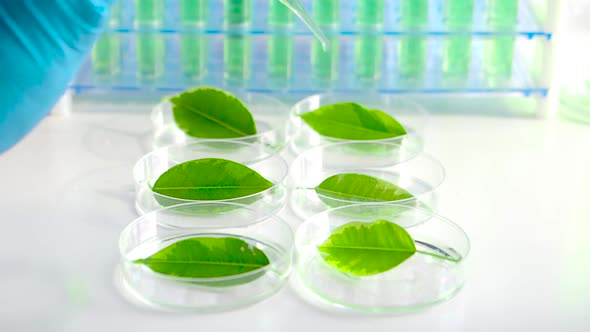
x=237, y=57
x=368, y=50
x=456, y=56
x=280, y=56
x=498, y=56
x=502, y=14
x=499, y=51
x=106, y=55
x=149, y=47
x=324, y=63
x=457, y=48
x=326, y=12
x=280, y=43
x=150, y=55
x=370, y=12
x=116, y=14
x=193, y=12
x=411, y=56
x=193, y=53
x=150, y=12
x=279, y=14
x=414, y=13
x=458, y=14
x=238, y=11
x=368, y=57
x=193, y=45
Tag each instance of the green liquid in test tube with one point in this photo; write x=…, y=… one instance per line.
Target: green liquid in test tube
x=193, y=12
x=279, y=14
x=502, y=14
x=499, y=51
x=193, y=53
x=280, y=56
x=457, y=48
x=498, y=55
x=106, y=55
x=193, y=46
x=368, y=57
x=280, y=45
x=116, y=14
x=411, y=56
x=458, y=14
x=370, y=12
x=150, y=12
x=456, y=56
x=237, y=57
x=368, y=49
x=326, y=12
x=150, y=54
x=150, y=48
x=324, y=63
x=414, y=13
x=238, y=11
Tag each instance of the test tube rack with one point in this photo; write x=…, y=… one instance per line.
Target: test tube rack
x=478, y=47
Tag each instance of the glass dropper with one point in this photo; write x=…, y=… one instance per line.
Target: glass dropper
x=296, y=7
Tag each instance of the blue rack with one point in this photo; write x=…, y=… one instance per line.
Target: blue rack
x=524, y=75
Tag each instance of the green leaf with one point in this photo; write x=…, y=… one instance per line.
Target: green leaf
x=210, y=179
x=358, y=188
x=212, y=113
x=206, y=257
x=353, y=121
x=364, y=249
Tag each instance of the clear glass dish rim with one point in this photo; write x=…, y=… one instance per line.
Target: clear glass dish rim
x=166, y=100
x=376, y=310
x=278, y=184
x=427, y=156
x=287, y=257
x=419, y=109
x=134, y=296
x=453, y=225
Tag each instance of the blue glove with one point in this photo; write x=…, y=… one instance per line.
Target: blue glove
x=43, y=45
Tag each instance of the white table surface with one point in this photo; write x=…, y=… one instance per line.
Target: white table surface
x=519, y=187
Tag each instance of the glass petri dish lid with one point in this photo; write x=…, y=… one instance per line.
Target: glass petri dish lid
x=255, y=156
x=418, y=174
x=160, y=229
x=422, y=280
x=410, y=114
x=270, y=115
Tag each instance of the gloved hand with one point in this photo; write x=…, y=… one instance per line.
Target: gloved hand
x=42, y=45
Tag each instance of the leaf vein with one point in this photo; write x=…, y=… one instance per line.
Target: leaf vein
x=166, y=261
x=208, y=117
x=358, y=127
x=366, y=248
x=350, y=195
x=206, y=187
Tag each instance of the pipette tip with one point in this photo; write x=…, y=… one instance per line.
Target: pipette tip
x=295, y=7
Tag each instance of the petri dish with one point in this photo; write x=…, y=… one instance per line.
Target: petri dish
x=418, y=174
x=270, y=115
x=256, y=156
x=419, y=282
x=159, y=229
x=411, y=115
